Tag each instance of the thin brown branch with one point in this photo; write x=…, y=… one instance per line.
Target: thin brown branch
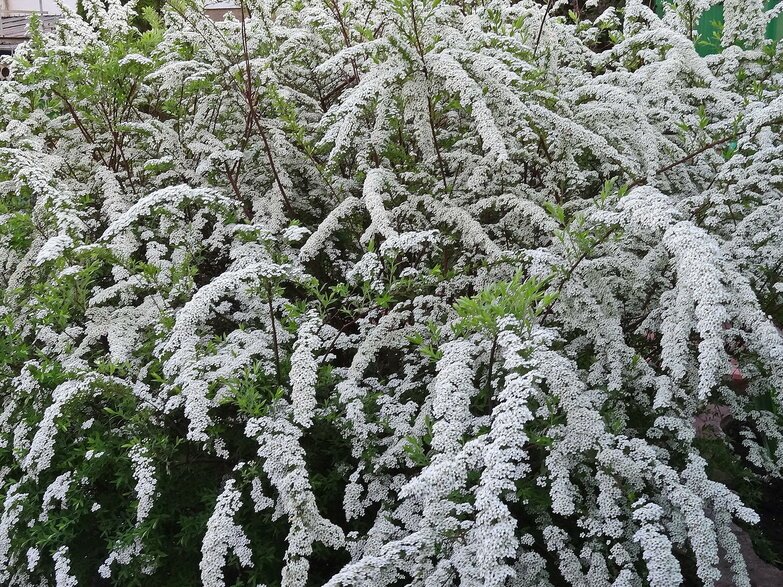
x=275, y=344
x=78, y=121
x=570, y=271
x=541, y=27
x=716, y=143
x=430, y=106
x=254, y=114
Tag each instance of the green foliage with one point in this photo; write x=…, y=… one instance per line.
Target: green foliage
x=523, y=299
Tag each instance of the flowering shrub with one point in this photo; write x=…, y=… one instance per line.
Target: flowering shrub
x=387, y=292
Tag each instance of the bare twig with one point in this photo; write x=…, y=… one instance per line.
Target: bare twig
x=716, y=143
x=612, y=229
x=430, y=106
x=541, y=28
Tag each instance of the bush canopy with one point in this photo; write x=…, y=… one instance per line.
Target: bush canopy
x=389, y=292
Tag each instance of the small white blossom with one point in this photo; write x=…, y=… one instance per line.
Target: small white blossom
x=223, y=536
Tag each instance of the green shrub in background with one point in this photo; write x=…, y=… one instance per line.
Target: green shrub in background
x=710, y=25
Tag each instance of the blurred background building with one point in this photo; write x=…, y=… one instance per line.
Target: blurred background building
x=14, y=15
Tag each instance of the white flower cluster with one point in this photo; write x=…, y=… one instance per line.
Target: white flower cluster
x=146, y=482
x=656, y=547
x=57, y=491
x=223, y=536
x=53, y=248
x=304, y=370
x=41, y=450
x=62, y=568
x=284, y=465
x=123, y=555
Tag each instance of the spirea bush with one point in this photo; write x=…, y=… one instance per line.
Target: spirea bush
x=390, y=292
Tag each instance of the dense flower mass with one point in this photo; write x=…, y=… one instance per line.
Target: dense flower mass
x=389, y=292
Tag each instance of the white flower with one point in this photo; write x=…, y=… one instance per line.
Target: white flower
x=146, y=482
x=304, y=370
x=62, y=568
x=223, y=536
x=53, y=248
